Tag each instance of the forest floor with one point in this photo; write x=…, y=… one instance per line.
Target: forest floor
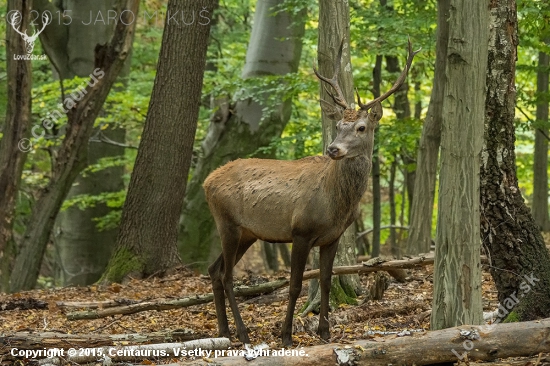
x=405, y=306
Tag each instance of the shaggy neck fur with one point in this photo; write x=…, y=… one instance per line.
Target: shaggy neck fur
x=346, y=182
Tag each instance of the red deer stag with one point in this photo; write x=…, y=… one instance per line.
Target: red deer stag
x=309, y=202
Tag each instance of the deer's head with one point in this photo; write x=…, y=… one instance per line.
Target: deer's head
x=355, y=128
x=16, y=19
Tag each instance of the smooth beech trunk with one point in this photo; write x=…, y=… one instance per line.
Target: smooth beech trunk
x=420, y=231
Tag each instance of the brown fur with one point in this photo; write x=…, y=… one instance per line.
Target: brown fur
x=309, y=202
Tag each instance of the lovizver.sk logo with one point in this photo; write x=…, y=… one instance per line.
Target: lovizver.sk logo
x=14, y=18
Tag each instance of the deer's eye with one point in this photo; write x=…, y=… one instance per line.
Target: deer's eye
x=361, y=129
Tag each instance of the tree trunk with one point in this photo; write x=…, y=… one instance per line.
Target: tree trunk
x=82, y=250
x=72, y=154
x=540, y=166
x=333, y=28
x=457, y=272
x=395, y=250
x=420, y=232
x=274, y=49
x=14, y=145
x=402, y=110
x=520, y=259
x=376, y=193
x=147, y=241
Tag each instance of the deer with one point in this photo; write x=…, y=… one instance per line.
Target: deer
x=29, y=40
x=309, y=202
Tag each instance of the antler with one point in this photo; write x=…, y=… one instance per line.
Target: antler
x=339, y=98
x=395, y=86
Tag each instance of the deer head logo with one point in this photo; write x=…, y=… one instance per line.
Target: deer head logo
x=16, y=19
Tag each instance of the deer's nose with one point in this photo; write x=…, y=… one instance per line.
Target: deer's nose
x=333, y=151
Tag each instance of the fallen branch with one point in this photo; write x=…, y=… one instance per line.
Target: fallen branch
x=95, y=304
x=159, y=305
x=368, y=231
x=23, y=304
x=374, y=265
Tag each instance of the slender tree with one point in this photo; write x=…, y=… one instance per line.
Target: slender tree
x=71, y=156
x=420, y=232
x=14, y=144
x=457, y=269
x=333, y=28
x=519, y=259
x=82, y=250
x=540, y=166
x=147, y=241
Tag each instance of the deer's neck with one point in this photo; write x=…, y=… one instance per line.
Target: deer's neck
x=347, y=182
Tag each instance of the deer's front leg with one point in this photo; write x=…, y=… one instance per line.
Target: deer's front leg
x=300, y=251
x=326, y=259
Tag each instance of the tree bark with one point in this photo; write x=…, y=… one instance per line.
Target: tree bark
x=72, y=154
x=539, y=204
x=147, y=241
x=457, y=270
x=395, y=249
x=14, y=145
x=82, y=251
x=509, y=233
x=333, y=28
x=376, y=192
x=402, y=110
x=239, y=131
x=420, y=233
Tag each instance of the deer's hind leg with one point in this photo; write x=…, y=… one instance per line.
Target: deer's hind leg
x=215, y=271
x=235, y=243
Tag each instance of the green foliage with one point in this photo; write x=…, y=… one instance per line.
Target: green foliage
x=534, y=33
x=374, y=30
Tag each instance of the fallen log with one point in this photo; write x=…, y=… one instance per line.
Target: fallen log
x=268, y=287
x=23, y=304
x=467, y=342
x=375, y=265
x=159, y=305
x=95, y=304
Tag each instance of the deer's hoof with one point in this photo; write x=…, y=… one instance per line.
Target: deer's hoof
x=287, y=341
x=324, y=334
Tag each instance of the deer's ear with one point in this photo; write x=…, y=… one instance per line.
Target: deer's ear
x=333, y=112
x=375, y=112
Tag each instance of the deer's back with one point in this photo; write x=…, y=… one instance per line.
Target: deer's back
x=269, y=198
